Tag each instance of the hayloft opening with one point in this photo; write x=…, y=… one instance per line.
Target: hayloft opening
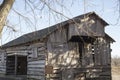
x=82, y=39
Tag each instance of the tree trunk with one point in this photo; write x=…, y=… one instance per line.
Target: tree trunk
x=4, y=10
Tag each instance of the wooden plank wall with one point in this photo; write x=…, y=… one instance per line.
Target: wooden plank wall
x=60, y=51
x=36, y=64
x=61, y=54
x=36, y=56
x=89, y=26
x=2, y=63
x=102, y=52
x=87, y=58
x=65, y=55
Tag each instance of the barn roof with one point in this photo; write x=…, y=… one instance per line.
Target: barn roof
x=40, y=34
x=109, y=38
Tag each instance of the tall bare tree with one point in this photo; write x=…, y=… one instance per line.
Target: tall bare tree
x=4, y=10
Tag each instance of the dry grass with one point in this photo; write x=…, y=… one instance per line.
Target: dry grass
x=115, y=73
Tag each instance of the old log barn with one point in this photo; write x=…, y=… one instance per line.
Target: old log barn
x=76, y=49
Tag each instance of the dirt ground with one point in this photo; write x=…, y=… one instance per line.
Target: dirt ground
x=115, y=73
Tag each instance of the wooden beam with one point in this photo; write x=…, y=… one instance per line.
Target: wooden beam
x=15, y=64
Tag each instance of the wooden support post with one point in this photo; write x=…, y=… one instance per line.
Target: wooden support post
x=15, y=64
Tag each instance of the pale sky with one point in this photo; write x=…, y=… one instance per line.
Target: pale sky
x=104, y=8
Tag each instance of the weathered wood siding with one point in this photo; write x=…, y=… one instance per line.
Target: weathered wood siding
x=87, y=55
x=36, y=62
x=87, y=27
x=61, y=54
x=36, y=69
x=102, y=52
x=36, y=56
x=2, y=63
x=96, y=53
x=60, y=51
x=65, y=55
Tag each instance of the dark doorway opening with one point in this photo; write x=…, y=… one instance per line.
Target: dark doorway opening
x=21, y=65
x=16, y=65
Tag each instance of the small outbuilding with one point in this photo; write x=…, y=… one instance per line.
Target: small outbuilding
x=76, y=49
